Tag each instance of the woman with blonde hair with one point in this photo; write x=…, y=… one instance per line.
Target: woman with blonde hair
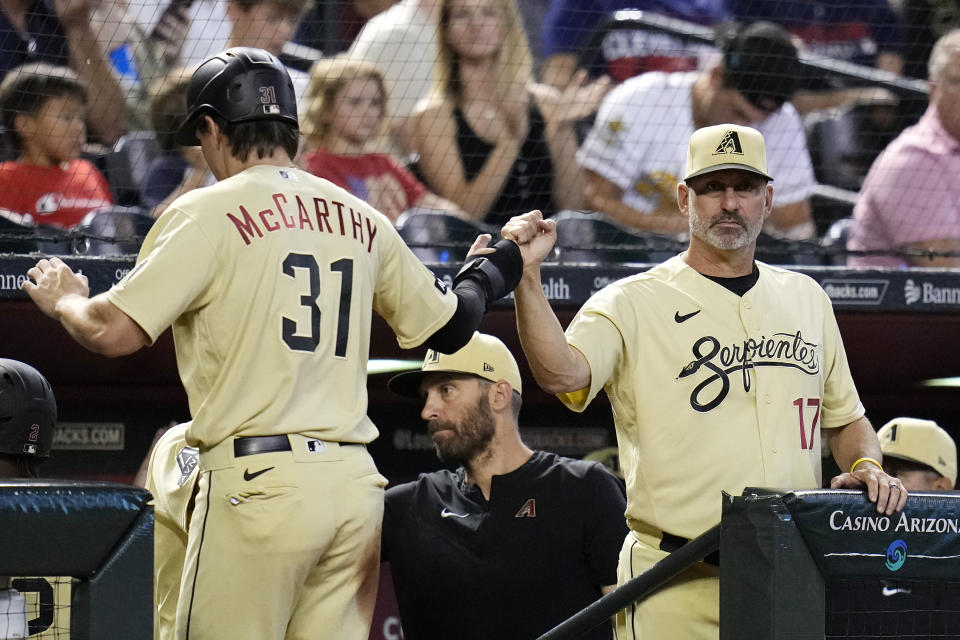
x=492, y=140
x=344, y=133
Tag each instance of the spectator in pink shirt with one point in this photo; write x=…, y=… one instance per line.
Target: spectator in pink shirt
x=910, y=200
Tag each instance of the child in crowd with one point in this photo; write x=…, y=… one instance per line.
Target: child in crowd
x=344, y=128
x=43, y=109
x=175, y=170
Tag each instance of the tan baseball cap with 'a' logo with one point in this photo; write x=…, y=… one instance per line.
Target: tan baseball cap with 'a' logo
x=484, y=356
x=726, y=146
x=922, y=441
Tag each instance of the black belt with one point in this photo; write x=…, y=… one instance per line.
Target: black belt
x=252, y=445
x=670, y=543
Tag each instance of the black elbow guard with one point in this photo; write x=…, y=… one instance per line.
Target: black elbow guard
x=466, y=319
x=497, y=273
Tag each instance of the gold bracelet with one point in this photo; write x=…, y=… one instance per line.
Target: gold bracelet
x=859, y=460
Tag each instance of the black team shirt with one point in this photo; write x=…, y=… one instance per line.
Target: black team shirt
x=511, y=568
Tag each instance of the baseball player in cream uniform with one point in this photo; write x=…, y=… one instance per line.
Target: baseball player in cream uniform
x=172, y=480
x=269, y=279
x=722, y=373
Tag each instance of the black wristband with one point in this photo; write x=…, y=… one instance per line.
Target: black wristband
x=498, y=273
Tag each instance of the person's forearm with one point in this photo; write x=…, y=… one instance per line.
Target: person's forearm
x=88, y=321
x=854, y=441
x=556, y=367
x=106, y=106
x=569, y=181
x=478, y=195
x=78, y=316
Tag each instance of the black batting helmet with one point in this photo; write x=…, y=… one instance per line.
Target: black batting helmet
x=240, y=84
x=28, y=411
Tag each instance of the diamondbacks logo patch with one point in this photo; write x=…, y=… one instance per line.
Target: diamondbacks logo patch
x=187, y=460
x=528, y=510
x=729, y=144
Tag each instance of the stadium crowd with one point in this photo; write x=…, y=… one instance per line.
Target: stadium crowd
x=485, y=109
x=469, y=109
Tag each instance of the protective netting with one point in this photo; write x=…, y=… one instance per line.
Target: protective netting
x=476, y=108
x=36, y=607
x=907, y=609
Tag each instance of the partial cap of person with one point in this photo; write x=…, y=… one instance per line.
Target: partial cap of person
x=760, y=61
x=922, y=441
x=240, y=84
x=726, y=146
x=28, y=410
x=484, y=356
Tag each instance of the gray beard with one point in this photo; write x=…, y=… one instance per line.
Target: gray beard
x=727, y=241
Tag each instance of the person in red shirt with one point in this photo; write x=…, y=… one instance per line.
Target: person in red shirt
x=43, y=109
x=344, y=124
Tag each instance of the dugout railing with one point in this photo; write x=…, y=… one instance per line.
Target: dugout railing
x=809, y=565
x=814, y=65
x=88, y=542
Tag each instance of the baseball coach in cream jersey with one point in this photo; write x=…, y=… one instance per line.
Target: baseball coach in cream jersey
x=269, y=279
x=722, y=373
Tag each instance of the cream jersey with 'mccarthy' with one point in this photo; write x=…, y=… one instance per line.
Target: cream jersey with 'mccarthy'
x=269, y=279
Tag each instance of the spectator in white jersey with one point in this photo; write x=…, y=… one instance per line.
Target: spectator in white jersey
x=634, y=155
